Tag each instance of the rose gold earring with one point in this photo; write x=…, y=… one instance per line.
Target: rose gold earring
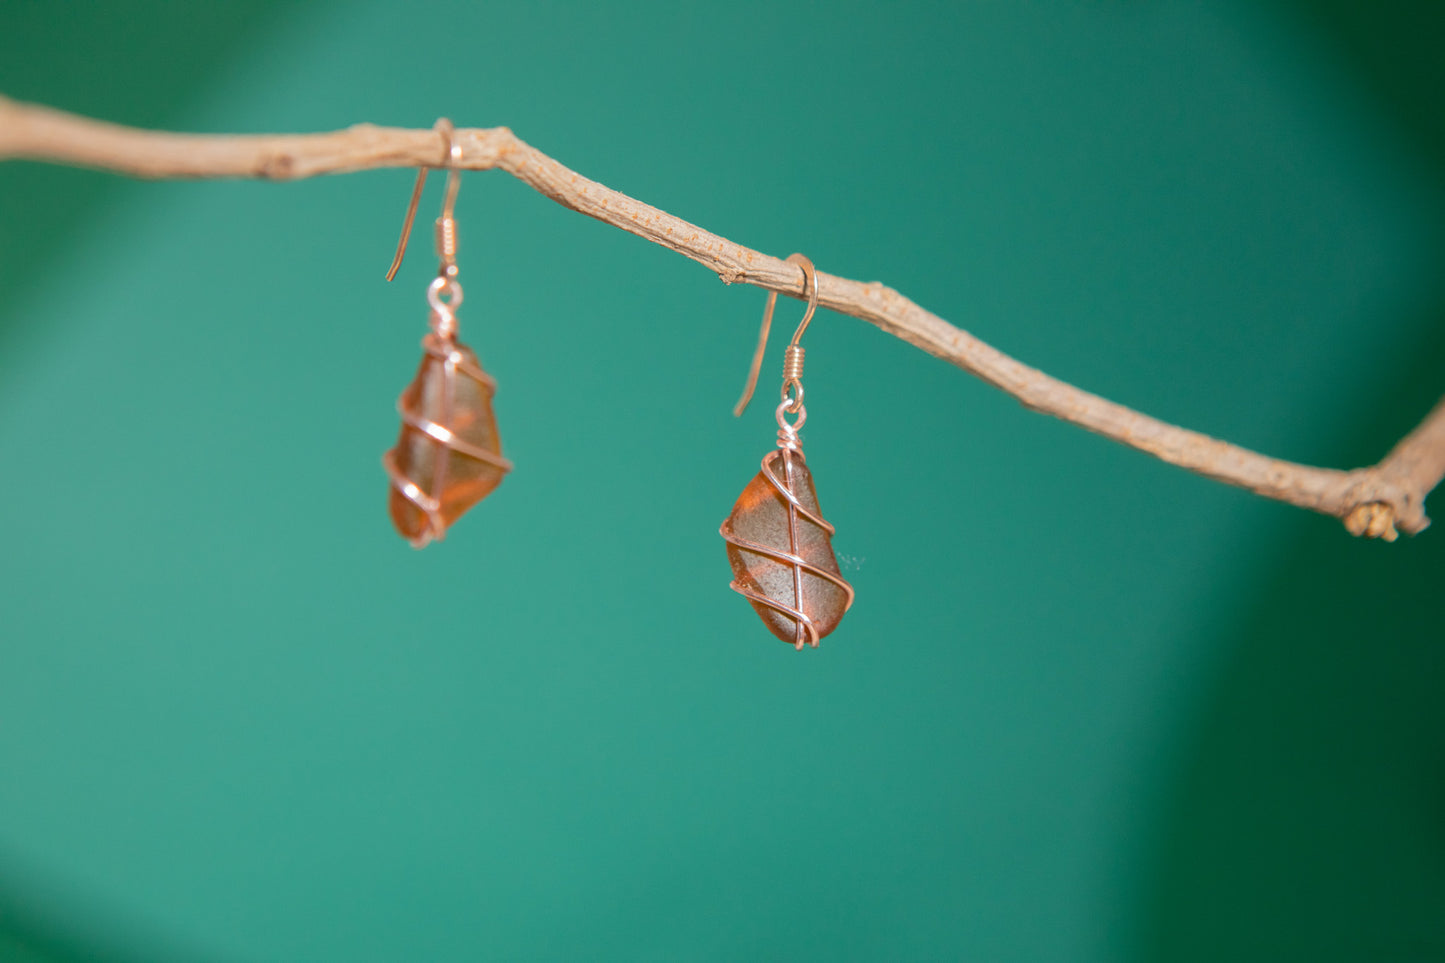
x=779, y=545
x=448, y=456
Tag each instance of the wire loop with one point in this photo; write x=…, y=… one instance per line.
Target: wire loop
x=451, y=160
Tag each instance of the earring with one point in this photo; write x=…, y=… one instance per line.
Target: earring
x=779, y=545
x=448, y=455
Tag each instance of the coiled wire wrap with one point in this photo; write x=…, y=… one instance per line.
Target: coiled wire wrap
x=804, y=632
x=441, y=344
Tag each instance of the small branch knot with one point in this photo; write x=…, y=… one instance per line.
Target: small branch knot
x=277, y=167
x=1372, y=520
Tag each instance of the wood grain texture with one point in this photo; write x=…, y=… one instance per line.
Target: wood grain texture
x=1373, y=502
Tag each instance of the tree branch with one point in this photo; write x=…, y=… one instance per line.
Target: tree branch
x=1373, y=502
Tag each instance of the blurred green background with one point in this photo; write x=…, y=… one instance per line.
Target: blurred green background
x=1087, y=706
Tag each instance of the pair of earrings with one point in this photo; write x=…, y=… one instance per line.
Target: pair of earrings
x=448, y=456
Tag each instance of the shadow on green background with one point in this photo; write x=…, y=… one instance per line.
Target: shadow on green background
x=1392, y=51
x=1308, y=818
x=139, y=63
x=44, y=922
x=1087, y=707
x=1307, y=815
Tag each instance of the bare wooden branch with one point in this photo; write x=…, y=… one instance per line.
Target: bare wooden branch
x=1373, y=502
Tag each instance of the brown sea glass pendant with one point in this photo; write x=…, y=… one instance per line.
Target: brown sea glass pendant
x=779, y=545
x=781, y=550
x=448, y=456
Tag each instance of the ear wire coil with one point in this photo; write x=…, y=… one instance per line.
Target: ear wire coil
x=447, y=239
x=793, y=363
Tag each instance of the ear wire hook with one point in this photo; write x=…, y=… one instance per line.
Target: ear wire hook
x=793, y=357
x=451, y=157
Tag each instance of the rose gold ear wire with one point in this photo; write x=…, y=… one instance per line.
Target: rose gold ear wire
x=793, y=357
x=451, y=157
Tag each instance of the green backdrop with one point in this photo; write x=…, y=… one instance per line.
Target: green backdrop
x=1087, y=707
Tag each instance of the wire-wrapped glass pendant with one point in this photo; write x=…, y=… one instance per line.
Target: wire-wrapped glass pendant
x=781, y=550
x=448, y=456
